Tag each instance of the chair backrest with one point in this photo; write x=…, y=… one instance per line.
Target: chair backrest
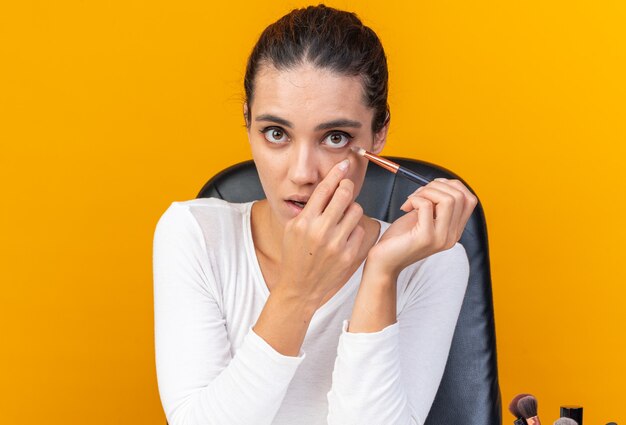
x=469, y=393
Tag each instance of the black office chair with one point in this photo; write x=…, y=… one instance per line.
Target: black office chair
x=469, y=393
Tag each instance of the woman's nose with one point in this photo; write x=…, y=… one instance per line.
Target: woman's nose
x=303, y=164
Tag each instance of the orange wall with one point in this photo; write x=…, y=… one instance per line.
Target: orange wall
x=111, y=110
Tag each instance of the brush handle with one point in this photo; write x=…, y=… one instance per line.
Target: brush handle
x=413, y=176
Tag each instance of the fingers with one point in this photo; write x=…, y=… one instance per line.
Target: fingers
x=406, y=207
x=354, y=242
x=442, y=197
x=445, y=212
x=425, y=211
x=470, y=200
x=465, y=200
x=452, y=204
x=349, y=222
x=340, y=201
x=324, y=191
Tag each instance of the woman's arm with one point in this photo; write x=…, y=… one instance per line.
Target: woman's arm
x=321, y=248
x=390, y=376
x=199, y=382
x=433, y=224
x=375, y=303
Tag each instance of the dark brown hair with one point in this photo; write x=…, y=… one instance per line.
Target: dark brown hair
x=327, y=38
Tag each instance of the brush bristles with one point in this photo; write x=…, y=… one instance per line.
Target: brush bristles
x=565, y=421
x=527, y=406
x=513, y=405
x=357, y=150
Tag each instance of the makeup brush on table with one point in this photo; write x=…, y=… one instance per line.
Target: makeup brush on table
x=519, y=420
x=565, y=421
x=528, y=408
x=391, y=166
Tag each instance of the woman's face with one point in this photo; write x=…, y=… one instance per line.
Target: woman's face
x=303, y=121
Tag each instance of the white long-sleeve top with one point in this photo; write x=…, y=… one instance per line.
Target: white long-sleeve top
x=213, y=369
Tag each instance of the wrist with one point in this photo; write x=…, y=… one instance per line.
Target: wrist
x=375, y=305
x=307, y=303
x=381, y=272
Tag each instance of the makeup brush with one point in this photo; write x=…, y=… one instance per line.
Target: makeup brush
x=528, y=408
x=391, y=166
x=565, y=421
x=515, y=411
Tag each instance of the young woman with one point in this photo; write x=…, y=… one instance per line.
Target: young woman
x=299, y=309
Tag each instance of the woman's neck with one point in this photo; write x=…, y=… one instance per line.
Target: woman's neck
x=267, y=234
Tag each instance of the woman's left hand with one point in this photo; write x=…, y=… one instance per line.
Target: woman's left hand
x=436, y=216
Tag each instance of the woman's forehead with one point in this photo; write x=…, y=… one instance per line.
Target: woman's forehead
x=311, y=91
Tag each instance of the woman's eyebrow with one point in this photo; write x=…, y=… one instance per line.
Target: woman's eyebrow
x=338, y=123
x=274, y=118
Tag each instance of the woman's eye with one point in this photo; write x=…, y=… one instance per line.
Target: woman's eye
x=337, y=140
x=274, y=135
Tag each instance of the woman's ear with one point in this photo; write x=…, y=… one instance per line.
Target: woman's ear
x=246, y=116
x=380, y=138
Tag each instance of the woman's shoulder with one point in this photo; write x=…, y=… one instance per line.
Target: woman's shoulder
x=211, y=215
x=213, y=207
x=217, y=204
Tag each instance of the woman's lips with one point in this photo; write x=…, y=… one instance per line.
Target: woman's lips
x=295, y=205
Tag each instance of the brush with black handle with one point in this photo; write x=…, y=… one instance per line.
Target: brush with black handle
x=392, y=166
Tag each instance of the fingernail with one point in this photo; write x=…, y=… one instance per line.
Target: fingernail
x=419, y=189
x=343, y=165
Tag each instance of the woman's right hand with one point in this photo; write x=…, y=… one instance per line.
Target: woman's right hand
x=321, y=245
